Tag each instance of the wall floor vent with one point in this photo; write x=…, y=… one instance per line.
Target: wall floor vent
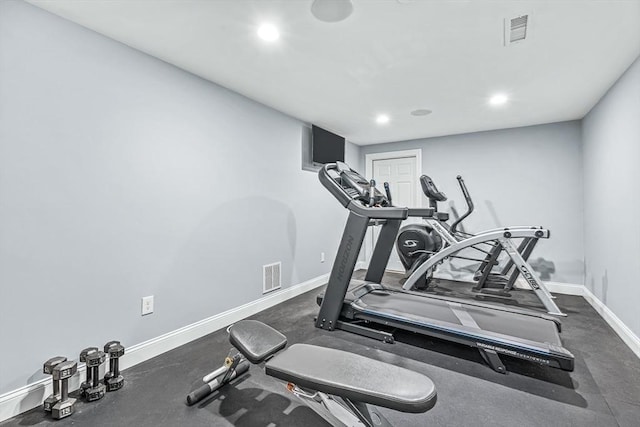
x=271, y=279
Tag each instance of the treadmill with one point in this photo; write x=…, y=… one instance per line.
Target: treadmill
x=363, y=307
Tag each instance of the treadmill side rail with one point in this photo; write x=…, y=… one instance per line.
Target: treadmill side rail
x=366, y=331
x=546, y=354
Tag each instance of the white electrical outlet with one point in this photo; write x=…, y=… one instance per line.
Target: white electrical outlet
x=321, y=256
x=147, y=305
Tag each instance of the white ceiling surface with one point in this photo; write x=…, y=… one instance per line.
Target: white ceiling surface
x=388, y=57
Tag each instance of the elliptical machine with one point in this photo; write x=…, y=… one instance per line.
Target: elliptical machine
x=418, y=243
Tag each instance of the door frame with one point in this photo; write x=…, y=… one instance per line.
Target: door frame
x=417, y=153
x=401, y=154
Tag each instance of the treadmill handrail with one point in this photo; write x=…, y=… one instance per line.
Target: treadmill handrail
x=421, y=212
x=378, y=212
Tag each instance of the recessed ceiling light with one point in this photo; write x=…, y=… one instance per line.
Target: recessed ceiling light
x=498, y=99
x=421, y=112
x=268, y=32
x=382, y=119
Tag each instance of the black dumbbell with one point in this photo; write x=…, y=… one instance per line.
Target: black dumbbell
x=112, y=379
x=48, y=369
x=88, y=382
x=94, y=359
x=62, y=372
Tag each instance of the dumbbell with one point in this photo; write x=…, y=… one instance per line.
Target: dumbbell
x=83, y=358
x=112, y=379
x=96, y=391
x=48, y=369
x=62, y=372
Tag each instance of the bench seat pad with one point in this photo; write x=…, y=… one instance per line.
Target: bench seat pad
x=256, y=340
x=354, y=377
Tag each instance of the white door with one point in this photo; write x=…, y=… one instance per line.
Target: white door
x=400, y=173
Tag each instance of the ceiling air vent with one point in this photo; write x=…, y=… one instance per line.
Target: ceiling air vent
x=516, y=29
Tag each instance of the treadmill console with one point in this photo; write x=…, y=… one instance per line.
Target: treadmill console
x=358, y=187
x=357, y=194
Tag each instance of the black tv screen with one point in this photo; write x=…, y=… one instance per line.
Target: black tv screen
x=327, y=146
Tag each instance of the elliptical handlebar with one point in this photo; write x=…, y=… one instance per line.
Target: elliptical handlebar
x=467, y=198
x=465, y=191
x=387, y=190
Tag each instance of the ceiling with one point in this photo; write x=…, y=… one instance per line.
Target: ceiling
x=389, y=56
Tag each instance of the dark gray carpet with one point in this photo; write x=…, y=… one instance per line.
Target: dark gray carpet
x=604, y=389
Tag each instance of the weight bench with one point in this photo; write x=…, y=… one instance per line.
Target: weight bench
x=356, y=380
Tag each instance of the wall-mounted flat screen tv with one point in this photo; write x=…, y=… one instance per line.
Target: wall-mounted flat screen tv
x=327, y=146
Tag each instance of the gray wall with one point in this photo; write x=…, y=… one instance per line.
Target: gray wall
x=122, y=176
x=353, y=154
x=530, y=175
x=611, y=138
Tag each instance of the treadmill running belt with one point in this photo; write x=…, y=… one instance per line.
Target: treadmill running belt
x=425, y=310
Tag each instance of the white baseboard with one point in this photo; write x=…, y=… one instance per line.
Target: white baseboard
x=156, y=346
x=627, y=335
x=623, y=331
x=565, y=288
x=360, y=265
x=32, y=395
